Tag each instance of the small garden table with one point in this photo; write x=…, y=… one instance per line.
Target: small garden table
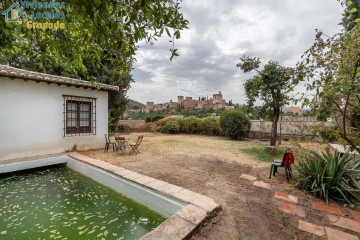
x=122, y=142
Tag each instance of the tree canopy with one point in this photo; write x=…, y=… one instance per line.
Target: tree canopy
x=351, y=14
x=97, y=44
x=94, y=30
x=332, y=67
x=271, y=85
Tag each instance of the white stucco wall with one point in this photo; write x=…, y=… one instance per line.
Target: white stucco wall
x=32, y=119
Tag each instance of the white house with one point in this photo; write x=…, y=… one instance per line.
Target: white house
x=45, y=114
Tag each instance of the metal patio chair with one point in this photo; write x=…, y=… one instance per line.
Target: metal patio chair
x=134, y=147
x=108, y=143
x=286, y=163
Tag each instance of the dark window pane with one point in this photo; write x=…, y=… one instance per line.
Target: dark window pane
x=78, y=117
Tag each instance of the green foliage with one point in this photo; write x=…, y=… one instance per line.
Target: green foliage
x=192, y=125
x=260, y=153
x=271, y=85
x=94, y=30
x=330, y=176
x=112, y=123
x=355, y=118
x=351, y=15
x=147, y=127
x=234, y=124
x=171, y=126
x=256, y=112
x=324, y=110
x=148, y=117
x=121, y=129
x=211, y=126
x=200, y=113
x=309, y=113
x=328, y=133
x=332, y=68
x=98, y=43
x=117, y=100
x=153, y=117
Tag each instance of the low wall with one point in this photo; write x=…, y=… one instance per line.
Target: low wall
x=133, y=124
x=289, y=129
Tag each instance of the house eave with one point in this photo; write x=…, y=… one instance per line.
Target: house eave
x=11, y=72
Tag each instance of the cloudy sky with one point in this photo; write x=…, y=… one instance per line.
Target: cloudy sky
x=219, y=33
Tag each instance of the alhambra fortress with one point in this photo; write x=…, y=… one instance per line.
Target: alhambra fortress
x=216, y=102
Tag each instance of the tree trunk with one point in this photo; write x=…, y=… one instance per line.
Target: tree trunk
x=274, y=127
x=280, y=128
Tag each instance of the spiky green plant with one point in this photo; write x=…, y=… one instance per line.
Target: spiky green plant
x=330, y=176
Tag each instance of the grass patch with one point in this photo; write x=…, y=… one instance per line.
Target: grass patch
x=259, y=152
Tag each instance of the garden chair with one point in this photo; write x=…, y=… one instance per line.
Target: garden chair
x=286, y=163
x=108, y=143
x=134, y=147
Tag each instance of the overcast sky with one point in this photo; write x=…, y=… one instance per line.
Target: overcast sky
x=219, y=33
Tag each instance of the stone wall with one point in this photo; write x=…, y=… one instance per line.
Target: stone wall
x=133, y=124
x=289, y=129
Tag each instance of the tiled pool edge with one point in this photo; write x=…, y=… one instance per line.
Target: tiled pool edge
x=180, y=225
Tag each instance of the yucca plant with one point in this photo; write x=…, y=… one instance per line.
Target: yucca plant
x=330, y=176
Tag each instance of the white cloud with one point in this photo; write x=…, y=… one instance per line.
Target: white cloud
x=222, y=31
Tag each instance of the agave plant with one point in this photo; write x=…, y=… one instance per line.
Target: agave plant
x=330, y=176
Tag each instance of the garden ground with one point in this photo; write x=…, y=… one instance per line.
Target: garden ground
x=212, y=166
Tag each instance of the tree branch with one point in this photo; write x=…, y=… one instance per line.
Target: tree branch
x=354, y=106
x=347, y=104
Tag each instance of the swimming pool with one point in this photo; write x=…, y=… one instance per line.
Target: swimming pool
x=62, y=198
x=184, y=211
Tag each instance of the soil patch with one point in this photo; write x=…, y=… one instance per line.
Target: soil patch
x=212, y=166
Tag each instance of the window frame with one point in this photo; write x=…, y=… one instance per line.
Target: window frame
x=77, y=116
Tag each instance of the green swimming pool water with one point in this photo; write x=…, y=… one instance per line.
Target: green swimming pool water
x=58, y=203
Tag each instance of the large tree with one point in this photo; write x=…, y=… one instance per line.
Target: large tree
x=351, y=14
x=98, y=43
x=332, y=67
x=270, y=85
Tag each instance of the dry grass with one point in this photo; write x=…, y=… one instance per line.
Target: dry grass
x=155, y=144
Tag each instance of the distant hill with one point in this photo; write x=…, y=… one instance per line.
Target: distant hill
x=135, y=105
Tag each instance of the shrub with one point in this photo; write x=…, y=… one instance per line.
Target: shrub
x=171, y=126
x=330, y=176
x=234, y=123
x=181, y=122
x=211, y=126
x=190, y=125
x=122, y=128
x=147, y=127
x=153, y=117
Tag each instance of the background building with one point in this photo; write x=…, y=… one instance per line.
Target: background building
x=216, y=102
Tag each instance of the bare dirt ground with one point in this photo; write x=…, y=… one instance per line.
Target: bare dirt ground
x=212, y=166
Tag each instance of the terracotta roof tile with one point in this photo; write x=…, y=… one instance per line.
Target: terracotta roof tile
x=7, y=71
